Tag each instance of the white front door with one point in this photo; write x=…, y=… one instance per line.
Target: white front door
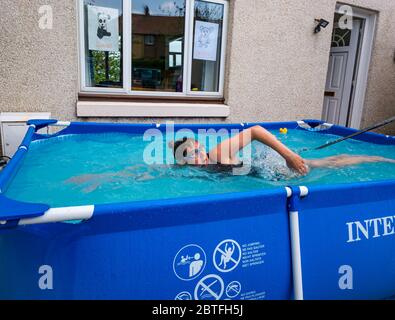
x=340, y=74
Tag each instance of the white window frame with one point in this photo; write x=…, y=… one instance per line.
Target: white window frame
x=127, y=52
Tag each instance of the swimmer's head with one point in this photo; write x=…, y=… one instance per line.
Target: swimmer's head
x=188, y=151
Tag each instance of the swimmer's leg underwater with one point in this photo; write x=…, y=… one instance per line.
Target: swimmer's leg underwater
x=345, y=160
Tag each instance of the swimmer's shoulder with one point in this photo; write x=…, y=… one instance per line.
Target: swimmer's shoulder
x=230, y=162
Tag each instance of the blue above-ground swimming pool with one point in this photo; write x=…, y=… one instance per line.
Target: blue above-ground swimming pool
x=275, y=239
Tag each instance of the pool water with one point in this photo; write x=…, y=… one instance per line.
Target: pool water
x=108, y=168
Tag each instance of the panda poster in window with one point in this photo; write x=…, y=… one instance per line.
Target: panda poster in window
x=206, y=41
x=103, y=29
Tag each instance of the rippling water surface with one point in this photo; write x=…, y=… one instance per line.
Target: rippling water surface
x=110, y=167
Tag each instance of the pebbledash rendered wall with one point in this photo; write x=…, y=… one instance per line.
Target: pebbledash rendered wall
x=276, y=67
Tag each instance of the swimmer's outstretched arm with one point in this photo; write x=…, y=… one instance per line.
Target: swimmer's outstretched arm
x=345, y=160
x=226, y=152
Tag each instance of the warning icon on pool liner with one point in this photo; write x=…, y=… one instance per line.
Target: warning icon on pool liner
x=189, y=262
x=211, y=287
x=227, y=256
x=183, y=296
x=233, y=289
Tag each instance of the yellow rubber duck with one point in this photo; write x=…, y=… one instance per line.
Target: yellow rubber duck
x=283, y=130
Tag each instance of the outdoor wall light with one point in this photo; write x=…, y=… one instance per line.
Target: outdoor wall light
x=322, y=23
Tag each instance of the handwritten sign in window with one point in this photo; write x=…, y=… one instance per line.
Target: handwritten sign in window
x=206, y=41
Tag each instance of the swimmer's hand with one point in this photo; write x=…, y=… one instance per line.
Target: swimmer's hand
x=296, y=163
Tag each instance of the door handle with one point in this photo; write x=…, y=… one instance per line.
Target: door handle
x=330, y=93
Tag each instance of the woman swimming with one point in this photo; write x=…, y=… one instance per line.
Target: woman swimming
x=190, y=152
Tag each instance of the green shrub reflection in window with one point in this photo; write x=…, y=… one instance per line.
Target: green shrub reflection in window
x=106, y=68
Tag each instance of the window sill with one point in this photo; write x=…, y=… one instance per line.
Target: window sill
x=151, y=109
x=105, y=97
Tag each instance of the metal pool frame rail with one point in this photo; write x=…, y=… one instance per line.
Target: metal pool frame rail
x=15, y=213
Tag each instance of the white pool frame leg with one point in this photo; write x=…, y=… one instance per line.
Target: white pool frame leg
x=296, y=258
x=295, y=247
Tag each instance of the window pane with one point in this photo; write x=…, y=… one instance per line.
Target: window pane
x=157, y=45
x=103, y=43
x=206, y=62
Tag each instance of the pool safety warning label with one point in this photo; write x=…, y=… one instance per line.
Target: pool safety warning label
x=227, y=256
x=183, y=296
x=253, y=295
x=233, y=289
x=189, y=262
x=211, y=287
x=253, y=254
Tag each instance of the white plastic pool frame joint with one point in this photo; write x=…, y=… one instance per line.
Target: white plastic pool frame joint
x=56, y=124
x=322, y=126
x=61, y=215
x=61, y=124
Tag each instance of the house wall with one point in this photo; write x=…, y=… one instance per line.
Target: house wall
x=276, y=66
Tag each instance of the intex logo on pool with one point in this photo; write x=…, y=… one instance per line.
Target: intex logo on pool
x=370, y=229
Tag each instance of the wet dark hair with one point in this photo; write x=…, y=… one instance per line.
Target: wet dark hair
x=177, y=144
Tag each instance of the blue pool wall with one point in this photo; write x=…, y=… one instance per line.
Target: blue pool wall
x=127, y=251
x=338, y=264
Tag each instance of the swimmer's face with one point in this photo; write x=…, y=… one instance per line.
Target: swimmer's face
x=191, y=152
x=195, y=153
